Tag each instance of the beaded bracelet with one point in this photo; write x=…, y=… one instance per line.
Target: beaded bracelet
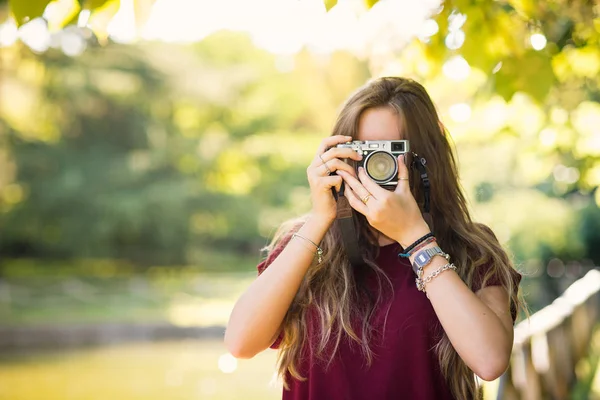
x=319, y=250
x=422, y=282
x=409, y=249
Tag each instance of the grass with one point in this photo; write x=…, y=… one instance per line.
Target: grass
x=96, y=291
x=149, y=371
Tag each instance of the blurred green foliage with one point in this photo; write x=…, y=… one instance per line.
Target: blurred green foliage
x=154, y=153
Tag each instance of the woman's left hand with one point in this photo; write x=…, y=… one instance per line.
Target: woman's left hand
x=395, y=214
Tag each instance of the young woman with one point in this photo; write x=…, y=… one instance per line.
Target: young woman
x=373, y=332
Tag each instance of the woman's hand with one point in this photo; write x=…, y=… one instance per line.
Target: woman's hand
x=395, y=214
x=323, y=175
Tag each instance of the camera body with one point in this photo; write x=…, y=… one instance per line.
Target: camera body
x=380, y=159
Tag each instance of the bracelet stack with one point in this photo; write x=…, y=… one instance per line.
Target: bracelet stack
x=319, y=250
x=423, y=258
x=422, y=282
x=419, y=242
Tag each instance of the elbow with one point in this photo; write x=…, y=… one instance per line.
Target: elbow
x=492, y=368
x=240, y=352
x=237, y=347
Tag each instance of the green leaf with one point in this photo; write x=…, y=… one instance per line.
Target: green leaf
x=531, y=73
x=24, y=11
x=329, y=4
x=370, y=3
x=93, y=4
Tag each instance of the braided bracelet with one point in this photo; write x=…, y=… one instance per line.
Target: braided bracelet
x=422, y=282
x=421, y=245
x=409, y=249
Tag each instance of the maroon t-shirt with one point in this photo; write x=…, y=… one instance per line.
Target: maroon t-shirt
x=405, y=364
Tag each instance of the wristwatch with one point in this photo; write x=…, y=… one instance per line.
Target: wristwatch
x=424, y=257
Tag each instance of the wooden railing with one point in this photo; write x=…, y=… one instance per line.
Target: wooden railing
x=548, y=346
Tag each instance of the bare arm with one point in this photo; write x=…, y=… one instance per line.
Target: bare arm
x=257, y=315
x=479, y=325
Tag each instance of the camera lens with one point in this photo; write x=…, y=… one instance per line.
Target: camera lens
x=381, y=166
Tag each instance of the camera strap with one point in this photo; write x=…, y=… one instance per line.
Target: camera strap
x=345, y=224
x=345, y=221
x=419, y=163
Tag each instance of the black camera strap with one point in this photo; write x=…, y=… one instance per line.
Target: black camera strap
x=345, y=221
x=345, y=224
x=419, y=163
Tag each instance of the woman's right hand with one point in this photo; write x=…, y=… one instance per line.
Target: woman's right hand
x=322, y=177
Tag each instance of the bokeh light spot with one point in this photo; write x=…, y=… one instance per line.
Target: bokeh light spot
x=227, y=363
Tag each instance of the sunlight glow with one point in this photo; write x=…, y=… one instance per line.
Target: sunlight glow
x=457, y=68
x=285, y=26
x=548, y=137
x=121, y=28
x=455, y=40
x=72, y=42
x=35, y=35
x=566, y=174
x=280, y=26
x=460, y=112
x=456, y=36
x=227, y=363
x=8, y=33
x=538, y=41
x=429, y=28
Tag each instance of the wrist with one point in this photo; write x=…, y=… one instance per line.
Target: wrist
x=320, y=221
x=413, y=235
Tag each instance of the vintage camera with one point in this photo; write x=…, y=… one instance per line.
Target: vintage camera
x=380, y=159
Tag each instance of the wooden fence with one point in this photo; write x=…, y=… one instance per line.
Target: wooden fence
x=548, y=346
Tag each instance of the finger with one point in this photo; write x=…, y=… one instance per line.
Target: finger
x=403, y=173
x=335, y=152
x=370, y=184
x=338, y=186
x=355, y=202
x=338, y=165
x=331, y=141
x=332, y=181
x=355, y=184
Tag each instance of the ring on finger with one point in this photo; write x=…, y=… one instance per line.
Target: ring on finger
x=366, y=198
x=325, y=164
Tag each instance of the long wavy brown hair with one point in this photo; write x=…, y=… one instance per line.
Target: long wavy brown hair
x=336, y=294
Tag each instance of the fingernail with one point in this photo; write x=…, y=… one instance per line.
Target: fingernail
x=360, y=169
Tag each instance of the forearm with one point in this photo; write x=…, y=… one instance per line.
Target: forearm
x=257, y=315
x=475, y=331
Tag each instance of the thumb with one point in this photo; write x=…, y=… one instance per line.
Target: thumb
x=403, y=174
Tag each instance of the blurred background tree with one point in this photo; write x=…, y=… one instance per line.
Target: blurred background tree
x=163, y=153
x=125, y=152
x=146, y=146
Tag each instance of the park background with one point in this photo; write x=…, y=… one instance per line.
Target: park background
x=149, y=150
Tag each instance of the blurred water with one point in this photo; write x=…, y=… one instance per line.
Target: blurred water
x=190, y=369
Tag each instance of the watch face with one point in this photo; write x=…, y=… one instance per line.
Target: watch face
x=424, y=257
x=421, y=258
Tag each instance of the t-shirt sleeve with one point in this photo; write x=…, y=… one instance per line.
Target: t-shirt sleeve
x=263, y=265
x=495, y=279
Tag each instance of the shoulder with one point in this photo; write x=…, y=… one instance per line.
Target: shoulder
x=494, y=267
x=280, y=240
